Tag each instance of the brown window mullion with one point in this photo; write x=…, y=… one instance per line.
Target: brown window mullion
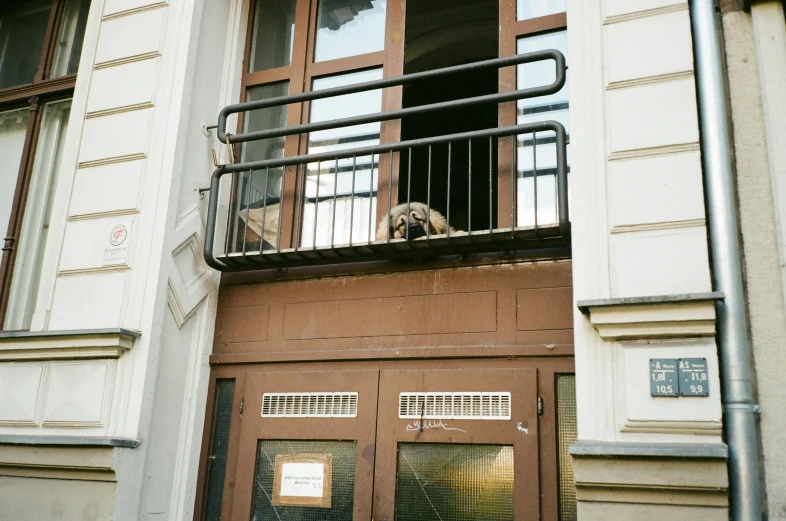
x=11, y=242
x=50, y=40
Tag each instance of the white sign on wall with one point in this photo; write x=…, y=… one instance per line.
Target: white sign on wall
x=302, y=479
x=116, y=246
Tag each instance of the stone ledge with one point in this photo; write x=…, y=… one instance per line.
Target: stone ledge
x=612, y=449
x=76, y=344
x=663, y=316
x=78, y=441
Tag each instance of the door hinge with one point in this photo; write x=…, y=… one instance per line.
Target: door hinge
x=540, y=406
x=242, y=401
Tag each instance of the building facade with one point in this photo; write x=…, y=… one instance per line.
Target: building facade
x=217, y=276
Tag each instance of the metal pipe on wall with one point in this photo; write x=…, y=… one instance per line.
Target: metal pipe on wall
x=734, y=349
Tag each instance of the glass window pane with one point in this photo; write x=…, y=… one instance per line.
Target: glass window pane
x=453, y=481
x=567, y=434
x=219, y=449
x=22, y=31
x=526, y=9
x=349, y=27
x=274, y=32
x=259, y=191
x=13, y=128
x=346, y=195
x=537, y=155
x=342, y=499
x=37, y=216
x=69, y=39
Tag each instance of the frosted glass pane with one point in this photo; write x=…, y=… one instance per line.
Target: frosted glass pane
x=69, y=39
x=13, y=127
x=343, y=481
x=22, y=31
x=37, y=216
x=454, y=482
x=567, y=433
x=350, y=27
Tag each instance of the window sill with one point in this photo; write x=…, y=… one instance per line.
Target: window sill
x=76, y=344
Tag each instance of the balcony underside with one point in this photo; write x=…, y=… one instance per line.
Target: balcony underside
x=462, y=243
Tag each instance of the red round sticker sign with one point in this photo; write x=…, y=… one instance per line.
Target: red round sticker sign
x=118, y=235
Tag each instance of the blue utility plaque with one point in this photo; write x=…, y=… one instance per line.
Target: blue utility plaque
x=663, y=377
x=694, y=380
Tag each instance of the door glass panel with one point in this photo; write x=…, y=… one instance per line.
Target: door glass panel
x=343, y=481
x=13, y=127
x=273, y=34
x=349, y=27
x=526, y=9
x=37, y=216
x=69, y=41
x=22, y=31
x=567, y=433
x=336, y=194
x=219, y=449
x=259, y=191
x=537, y=164
x=454, y=482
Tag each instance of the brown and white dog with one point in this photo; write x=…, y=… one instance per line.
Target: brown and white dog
x=397, y=222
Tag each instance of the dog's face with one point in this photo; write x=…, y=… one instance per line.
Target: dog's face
x=400, y=224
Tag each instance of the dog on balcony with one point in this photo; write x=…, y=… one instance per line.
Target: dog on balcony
x=420, y=219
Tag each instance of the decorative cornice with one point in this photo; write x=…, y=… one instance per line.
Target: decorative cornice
x=73, y=441
x=76, y=344
x=607, y=449
x=648, y=227
x=119, y=110
x=661, y=316
x=127, y=59
x=112, y=160
x=649, y=80
x=654, y=151
x=645, y=14
x=136, y=10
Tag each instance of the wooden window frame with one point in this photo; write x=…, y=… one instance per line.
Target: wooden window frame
x=35, y=95
x=302, y=71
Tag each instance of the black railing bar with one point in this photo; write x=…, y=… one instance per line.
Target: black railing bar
x=231, y=219
x=335, y=200
x=352, y=200
x=280, y=209
x=447, y=217
x=305, y=128
x=535, y=179
x=316, y=207
x=428, y=199
x=469, y=189
x=562, y=181
x=264, y=211
x=390, y=190
x=513, y=185
x=498, y=63
x=394, y=147
x=248, y=217
x=409, y=191
x=300, y=180
x=371, y=206
x=491, y=185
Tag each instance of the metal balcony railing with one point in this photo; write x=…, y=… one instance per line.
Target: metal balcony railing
x=509, y=210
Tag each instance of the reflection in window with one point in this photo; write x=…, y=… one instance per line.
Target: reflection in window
x=453, y=481
x=349, y=27
x=69, y=41
x=537, y=154
x=13, y=127
x=344, y=191
x=37, y=216
x=526, y=9
x=259, y=191
x=342, y=498
x=273, y=34
x=22, y=31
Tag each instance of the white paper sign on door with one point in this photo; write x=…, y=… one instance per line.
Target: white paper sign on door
x=302, y=479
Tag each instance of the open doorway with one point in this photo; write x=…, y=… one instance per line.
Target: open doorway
x=442, y=33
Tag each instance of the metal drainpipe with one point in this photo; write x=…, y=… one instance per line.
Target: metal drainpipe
x=735, y=353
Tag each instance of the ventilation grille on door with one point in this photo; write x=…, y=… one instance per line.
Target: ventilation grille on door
x=310, y=405
x=455, y=406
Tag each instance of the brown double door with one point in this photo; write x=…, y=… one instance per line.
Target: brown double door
x=457, y=444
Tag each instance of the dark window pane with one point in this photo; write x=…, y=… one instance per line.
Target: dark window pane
x=217, y=461
x=566, y=434
x=274, y=30
x=343, y=481
x=22, y=31
x=69, y=40
x=349, y=27
x=13, y=129
x=258, y=191
x=456, y=482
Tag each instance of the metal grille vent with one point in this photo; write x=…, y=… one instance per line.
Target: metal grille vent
x=454, y=406
x=310, y=405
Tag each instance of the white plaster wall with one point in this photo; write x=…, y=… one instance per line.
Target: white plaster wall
x=637, y=208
